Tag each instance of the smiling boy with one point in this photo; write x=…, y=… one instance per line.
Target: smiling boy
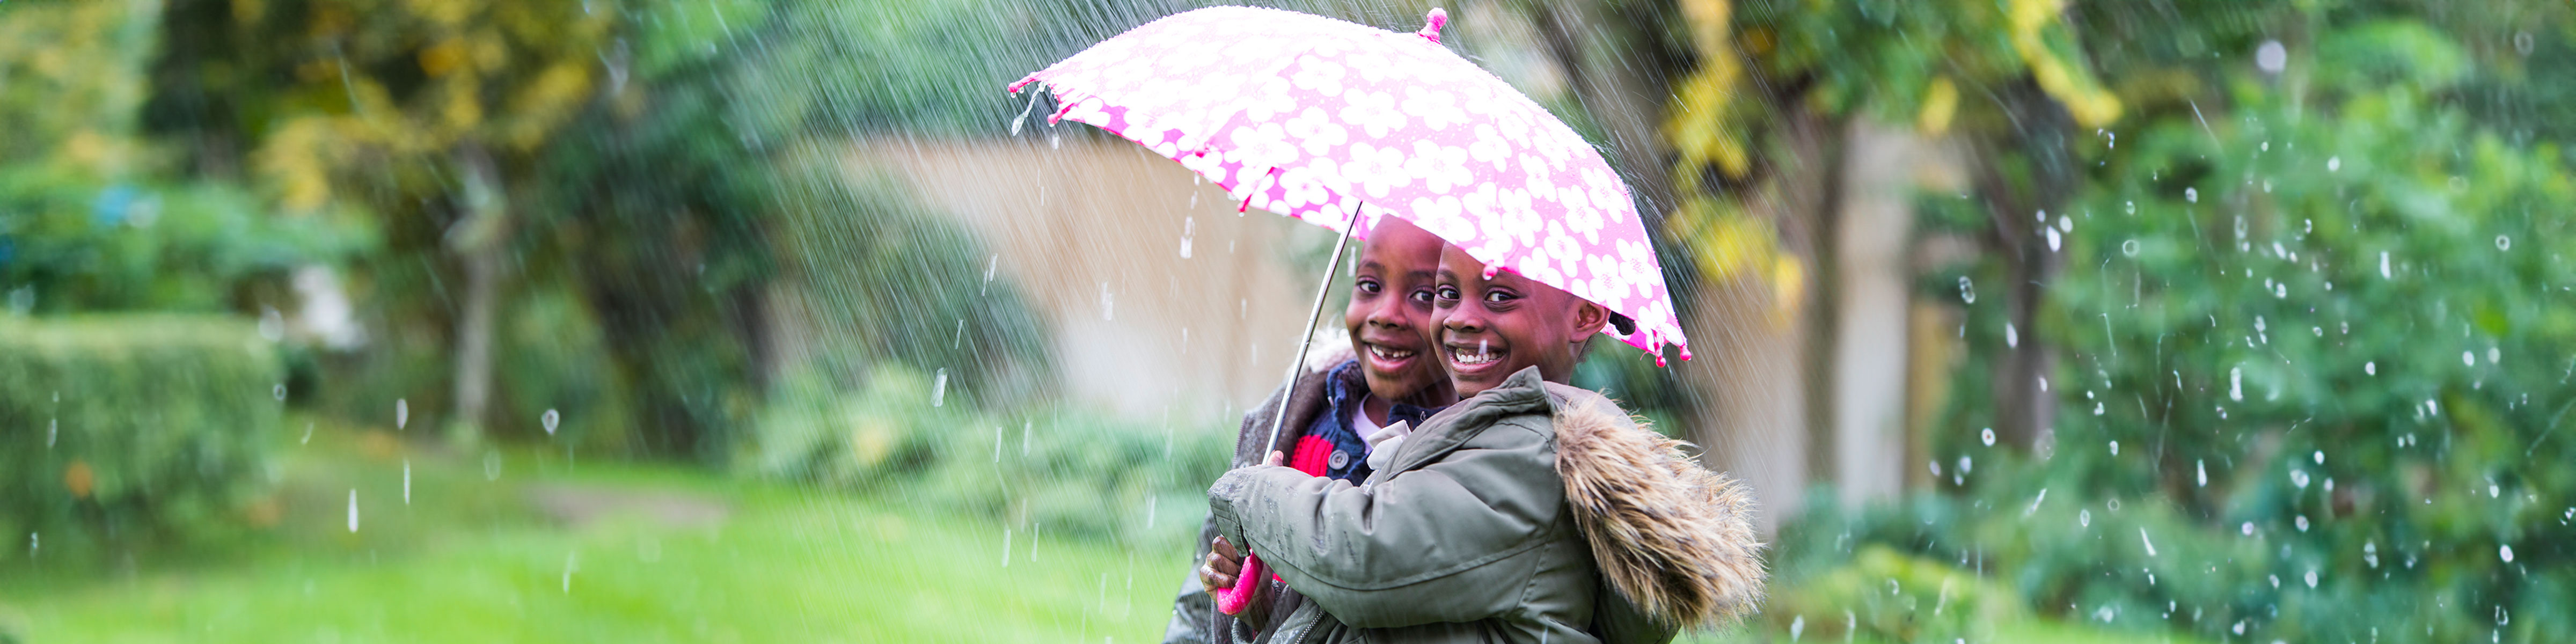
x=1530, y=511
x=1390, y=376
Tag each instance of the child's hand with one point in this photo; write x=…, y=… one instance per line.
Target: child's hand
x=1224, y=563
x=1276, y=457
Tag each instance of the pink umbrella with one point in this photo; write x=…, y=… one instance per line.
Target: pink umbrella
x=1337, y=123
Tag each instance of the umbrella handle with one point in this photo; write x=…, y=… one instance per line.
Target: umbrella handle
x=1231, y=601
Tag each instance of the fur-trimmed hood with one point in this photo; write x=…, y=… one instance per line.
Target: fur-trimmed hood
x=1671, y=537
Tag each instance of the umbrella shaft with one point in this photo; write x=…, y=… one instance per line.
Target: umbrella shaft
x=1279, y=417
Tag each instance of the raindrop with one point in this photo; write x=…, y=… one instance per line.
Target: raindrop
x=2371, y=367
x=1797, y=627
x=2259, y=325
x=2469, y=358
x=1936, y=468
x=1988, y=435
x=2012, y=338
x=2236, y=384
x=572, y=562
x=2370, y=553
x=1967, y=290
x=2334, y=164
x=2493, y=491
x=308, y=434
x=2129, y=248
x=53, y=427
x=406, y=481
x=1189, y=229
x=939, y=389
x=2248, y=528
x=1108, y=306
x=2115, y=446
x=2302, y=522
x=2319, y=457
x=2084, y=517
x=2504, y=243
x=2312, y=579
x=2271, y=57
x=2299, y=477
x=2200, y=468
x=353, y=509
x=2506, y=552
x=550, y=419
x=277, y=391
x=2065, y=224
x=2191, y=195
x=1966, y=465
x=402, y=413
x=272, y=327
x=2142, y=539
x=1006, y=547
x=2130, y=206
x=2494, y=356
x=2054, y=240
x=2383, y=264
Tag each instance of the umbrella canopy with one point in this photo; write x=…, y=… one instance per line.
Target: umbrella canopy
x=1333, y=122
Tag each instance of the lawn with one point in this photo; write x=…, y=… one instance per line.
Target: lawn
x=553, y=548
x=534, y=545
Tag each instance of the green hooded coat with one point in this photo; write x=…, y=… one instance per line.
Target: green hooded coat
x=1532, y=512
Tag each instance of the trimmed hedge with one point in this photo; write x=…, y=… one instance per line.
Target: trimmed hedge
x=126, y=428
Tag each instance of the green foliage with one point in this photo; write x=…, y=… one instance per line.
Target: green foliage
x=73, y=243
x=1895, y=597
x=126, y=429
x=2315, y=345
x=1044, y=470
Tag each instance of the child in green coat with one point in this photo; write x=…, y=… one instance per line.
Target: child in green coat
x=1530, y=511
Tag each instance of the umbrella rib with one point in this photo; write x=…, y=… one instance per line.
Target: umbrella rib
x=1279, y=417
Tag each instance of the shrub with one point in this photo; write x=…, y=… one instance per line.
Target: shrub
x=1044, y=468
x=128, y=427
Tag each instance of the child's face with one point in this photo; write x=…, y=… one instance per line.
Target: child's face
x=1489, y=329
x=1390, y=314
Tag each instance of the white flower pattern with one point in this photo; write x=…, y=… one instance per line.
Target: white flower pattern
x=1310, y=117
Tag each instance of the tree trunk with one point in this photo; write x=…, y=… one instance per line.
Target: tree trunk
x=478, y=239
x=2024, y=401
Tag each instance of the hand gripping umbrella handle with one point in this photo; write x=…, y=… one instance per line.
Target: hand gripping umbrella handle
x=1231, y=601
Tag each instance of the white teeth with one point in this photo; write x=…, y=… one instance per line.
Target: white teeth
x=1390, y=354
x=1465, y=358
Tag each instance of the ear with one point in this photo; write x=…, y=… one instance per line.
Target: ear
x=1588, y=319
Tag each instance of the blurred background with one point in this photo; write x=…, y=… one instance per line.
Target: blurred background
x=723, y=320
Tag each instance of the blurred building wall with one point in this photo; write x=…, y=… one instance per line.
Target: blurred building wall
x=1095, y=232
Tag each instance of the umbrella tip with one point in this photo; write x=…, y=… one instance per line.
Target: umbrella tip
x=1436, y=19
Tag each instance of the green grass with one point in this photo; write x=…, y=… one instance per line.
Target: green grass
x=471, y=559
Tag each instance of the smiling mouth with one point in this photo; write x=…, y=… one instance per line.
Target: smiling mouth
x=1481, y=355
x=1389, y=354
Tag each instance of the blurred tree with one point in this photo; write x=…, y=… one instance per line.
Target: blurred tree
x=417, y=110
x=91, y=215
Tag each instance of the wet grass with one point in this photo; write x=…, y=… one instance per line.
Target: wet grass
x=562, y=550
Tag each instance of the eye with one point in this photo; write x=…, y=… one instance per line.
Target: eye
x=1422, y=295
x=1498, y=297
x=1369, y=286
x=1446, y=293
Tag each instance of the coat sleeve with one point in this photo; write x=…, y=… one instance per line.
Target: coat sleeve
x=1449, y=542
